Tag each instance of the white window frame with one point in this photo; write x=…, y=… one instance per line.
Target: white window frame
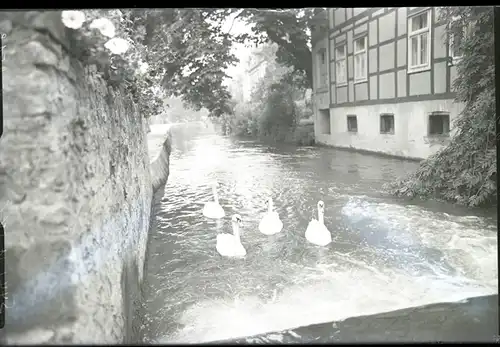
x=341, y=65
x=362, y=52
x=418, y=33
x=467, y=29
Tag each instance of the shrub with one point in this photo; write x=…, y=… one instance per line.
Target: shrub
x=279, y=114
x=274, y=113
x=465, y=171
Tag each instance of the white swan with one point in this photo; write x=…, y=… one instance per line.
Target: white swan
x=271, y=223
x=212, y=209
x=316, y=231
x=230, y=245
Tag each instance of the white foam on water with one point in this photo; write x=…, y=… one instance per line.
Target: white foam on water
x=350, y=287
x=469, y=243
x=331, y=296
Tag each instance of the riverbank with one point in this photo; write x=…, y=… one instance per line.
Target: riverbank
x=471, y=320
x=369, y=152
x=302, y=134
x=159, y=140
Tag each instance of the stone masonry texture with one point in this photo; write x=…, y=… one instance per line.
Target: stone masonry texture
x=75, y=191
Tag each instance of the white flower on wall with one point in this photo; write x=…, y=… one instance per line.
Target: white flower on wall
x=73, y=19
x=104, y=25
x=117, y=45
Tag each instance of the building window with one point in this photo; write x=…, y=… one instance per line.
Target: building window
x=457, y=37
x=439, y=123
x=419, y=43
x=352, y=123
x=360, y=59
x=340, y=65
x=387, y=123
x=324, y=121
x=321, y=69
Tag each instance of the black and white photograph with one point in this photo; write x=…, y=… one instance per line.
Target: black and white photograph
x=249, y=175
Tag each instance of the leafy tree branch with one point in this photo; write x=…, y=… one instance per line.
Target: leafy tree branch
x=190, y=50
x=290, y=30
x=465, y=171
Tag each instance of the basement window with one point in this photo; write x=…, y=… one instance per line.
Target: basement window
x=352, y=123
x=387, y=123
x=439, y=124
x=324, y=121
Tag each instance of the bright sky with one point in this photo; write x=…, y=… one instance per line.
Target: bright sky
x=235, y=26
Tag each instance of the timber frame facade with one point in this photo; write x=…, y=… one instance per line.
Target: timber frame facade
x=371, y=64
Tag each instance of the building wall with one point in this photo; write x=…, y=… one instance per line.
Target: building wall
x=253, y=74
x=410, y=139
x=389, y=88
x=321, y=97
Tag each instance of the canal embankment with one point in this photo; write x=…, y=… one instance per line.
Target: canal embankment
x=470, y=320
x=76, y=183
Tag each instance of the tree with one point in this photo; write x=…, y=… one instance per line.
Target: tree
x=189, y=49
x=275, y=106
x=290, y=29
x=465, y=171
x=274, y=71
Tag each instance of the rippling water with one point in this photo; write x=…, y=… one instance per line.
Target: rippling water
x=385, y=254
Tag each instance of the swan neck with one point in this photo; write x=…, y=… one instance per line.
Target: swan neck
x=236, y=232
x=321, y=216
x=270, y=205
x=214, y=191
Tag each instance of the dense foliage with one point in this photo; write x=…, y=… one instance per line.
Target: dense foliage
x=187, y=51
x=290, y=30
x=275, y=107
x=465, y=171
x=190, y=50
x=279, y=114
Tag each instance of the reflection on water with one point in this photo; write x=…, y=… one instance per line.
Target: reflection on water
x=385, y=255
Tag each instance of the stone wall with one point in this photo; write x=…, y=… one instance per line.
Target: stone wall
x=159, y=146
x=75, y=191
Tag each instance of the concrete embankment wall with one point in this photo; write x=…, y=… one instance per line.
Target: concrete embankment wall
x=471, y=320
x=160, y=146
x=75, y=191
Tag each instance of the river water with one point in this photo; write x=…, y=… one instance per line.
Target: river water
x=386, y=254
